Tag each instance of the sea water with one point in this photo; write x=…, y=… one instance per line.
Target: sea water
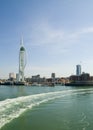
x=46, y=108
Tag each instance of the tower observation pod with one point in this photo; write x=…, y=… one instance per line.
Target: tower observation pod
x=22, y=61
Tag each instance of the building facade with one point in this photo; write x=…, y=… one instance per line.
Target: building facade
x=11, y=76
x=78, y=70
x=53, y=77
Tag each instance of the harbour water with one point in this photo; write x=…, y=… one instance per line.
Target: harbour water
x=46, y=108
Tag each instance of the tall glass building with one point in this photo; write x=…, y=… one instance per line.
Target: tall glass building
x=78, y=70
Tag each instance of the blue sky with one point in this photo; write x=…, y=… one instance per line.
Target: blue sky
x=58, y=35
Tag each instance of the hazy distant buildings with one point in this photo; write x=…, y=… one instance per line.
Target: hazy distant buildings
x=37, y=79
x=78, y=70
x=83, y=78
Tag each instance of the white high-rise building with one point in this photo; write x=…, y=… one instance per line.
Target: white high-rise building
x=12, y=75
x=78, y=70
x=22, y=61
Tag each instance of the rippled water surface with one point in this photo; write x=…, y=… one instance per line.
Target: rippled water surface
x=46, y=108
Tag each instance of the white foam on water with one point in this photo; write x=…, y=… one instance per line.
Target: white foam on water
x=13, y=108
x=84, y=121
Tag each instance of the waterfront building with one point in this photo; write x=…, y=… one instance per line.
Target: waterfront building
x=38, y=79
x=11, y=75
x=78, y=70
x=22, y=61
x=82, y=80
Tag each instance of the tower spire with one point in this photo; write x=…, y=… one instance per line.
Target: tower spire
x=21, y=41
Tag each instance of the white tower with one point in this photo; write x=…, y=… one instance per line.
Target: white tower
x=22, y=61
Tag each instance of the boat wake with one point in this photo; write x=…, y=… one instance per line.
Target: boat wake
x=13, y=108
x=84, y=121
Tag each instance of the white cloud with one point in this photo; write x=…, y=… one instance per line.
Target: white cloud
x=80, y=32
x=87, y=30
x=57, y=41
x=43, y=34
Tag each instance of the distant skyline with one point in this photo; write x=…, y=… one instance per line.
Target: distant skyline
x=57, y=35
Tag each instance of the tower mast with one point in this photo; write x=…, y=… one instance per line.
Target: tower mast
x=22, y=61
